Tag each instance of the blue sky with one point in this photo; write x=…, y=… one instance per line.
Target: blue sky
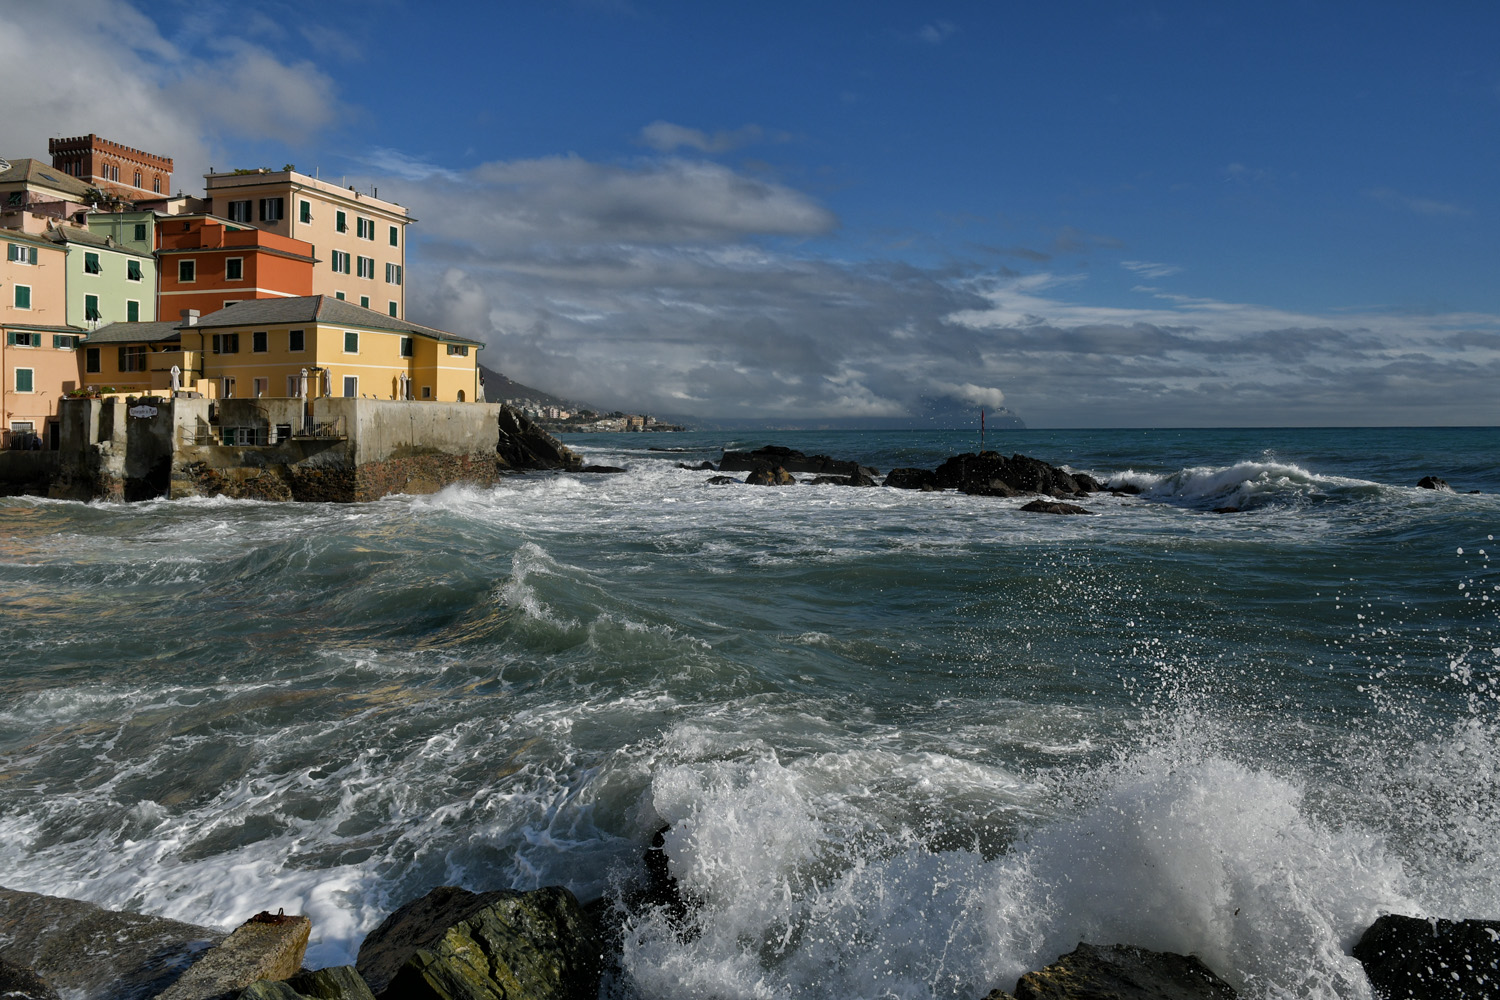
x=1097, y=214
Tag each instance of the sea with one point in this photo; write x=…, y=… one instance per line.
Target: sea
x=902, y=744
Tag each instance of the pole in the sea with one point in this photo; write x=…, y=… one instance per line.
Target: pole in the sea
x=981, y=430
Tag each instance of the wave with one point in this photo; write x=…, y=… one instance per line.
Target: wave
x=1245, y=485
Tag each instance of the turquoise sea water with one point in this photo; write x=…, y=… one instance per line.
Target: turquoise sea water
x=909, y=745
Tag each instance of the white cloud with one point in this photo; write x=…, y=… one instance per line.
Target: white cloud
x=664, y=137
x=127, y=82
x=1149, y=269
x=937, y=32
x=1419, y=206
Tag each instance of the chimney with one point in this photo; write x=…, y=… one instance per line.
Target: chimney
x=190, y=317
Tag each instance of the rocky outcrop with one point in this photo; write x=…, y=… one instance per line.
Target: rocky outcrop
x=723, y=481
x=989, y=473
x=603, y=470
x=20, y=983
x=911, y=479
x=1121, y=972
x=770, y=477
x=700, y=467
x=858, y=479
x=775, y=456
x=1434, y=483
x=267, y=946
x=60, y=939
x=1054, y=507
x=1433, y=959
x=338, y=983
x=523, y=445
x=455, y=945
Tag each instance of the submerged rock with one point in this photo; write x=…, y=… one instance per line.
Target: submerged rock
x=1054, y=507
x=988, y=473
x=602, y=469
x=1123, y=972
x=911, y=479
x=770, y=477
x=859, y=479
x=774, y=456
x=454, y=945
x=1432, y=959
x=700, y=467
x=723, y=481
x=1434, y=483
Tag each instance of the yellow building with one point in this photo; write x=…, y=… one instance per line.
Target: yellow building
x=359, y=240
x=309, y=346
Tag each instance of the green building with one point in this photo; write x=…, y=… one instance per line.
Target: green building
x=108, y=281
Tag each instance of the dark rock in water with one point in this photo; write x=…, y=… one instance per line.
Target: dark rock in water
x=524, y=445
x=456, y=945
x=339, y=983
x=1126, y=490
x=770, y=477
x=723, y=481
x=1087, y=482
x=1432, y=959
x=1434, y=483
x=1054, y=507
x=978, y=473
x=661, y=889
x=700, y=467
x=988, y=488
x=774, y=456
x=859, y=479
x=90, y=952
x=20, y=983
x=602, y=469
x=1123, y=972
x=910, y=479
x=1228, y=510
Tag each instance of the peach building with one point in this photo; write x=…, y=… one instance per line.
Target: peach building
x=209, y=263
x=359, y=240
x=38, y=354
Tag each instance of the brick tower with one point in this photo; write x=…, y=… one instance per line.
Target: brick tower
x=132, y=174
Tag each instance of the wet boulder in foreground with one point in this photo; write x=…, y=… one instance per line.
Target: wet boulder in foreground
x=1054, y=507
x=1434, y=483
x=1432, y=959
x=1121, y=972
x=267, y=946
x=338, y=983
x=911, y=479
x=20, y=983
x=453, y=944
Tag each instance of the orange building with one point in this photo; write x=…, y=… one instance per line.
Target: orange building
x=207, y=263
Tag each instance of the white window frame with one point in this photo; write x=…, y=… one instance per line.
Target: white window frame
x=192, y=264
x=261, y=385
x=234, y=260
x=347, y=335
x=16, y=381
x=351, y=386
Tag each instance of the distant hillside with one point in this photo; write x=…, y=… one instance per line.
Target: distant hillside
x=499, y=387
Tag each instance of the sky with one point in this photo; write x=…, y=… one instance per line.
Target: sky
x=1095, y=214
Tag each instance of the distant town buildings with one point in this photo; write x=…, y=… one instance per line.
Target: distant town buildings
x=273, y=284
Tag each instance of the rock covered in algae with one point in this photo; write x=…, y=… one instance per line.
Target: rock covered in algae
x=505, y=945
x=338, y=983
x=1122, y=972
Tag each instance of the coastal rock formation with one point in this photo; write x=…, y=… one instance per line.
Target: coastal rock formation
x=774, y=456
x=723, y=481
x=985, y=473
x=453, y=944
x=700, y=467
x=267, y=946
x=338, y=983
x=60, y=940
x=858, y=479
x=524, y=445
x=1433, y=959
x=1054, y=507
x=1121, y=972
x=1434, y=483
x=770, y=477
x=608, y=470
x=911, y=479
x=20, y=983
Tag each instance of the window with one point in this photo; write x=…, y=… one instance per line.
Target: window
x=295, y=341
x=234, y=269
x=226, y=343
x=25, y=379
x=339, y=296
x=304, y=211
x=351, y=342
x=261, y=386
x=133, y=358
x=406, y=350
x=243, y=437
x=23, y=296
x=91, y=360
x=258, y=342
x=272, y=209
x=341, y=262
x=18, y=339
x=341, y=222
x=137, y=178
x=239, y=211
x=91, y=263
x=361, y=227
x=458, y=350
x=293, y=390
x=426, y=392
x=393, y=236
x=132, y=270
x=156, y=185
x=393, y=274
x=64, y=342
x=232, y=302
x=91, y=307
x=393, y=308
x=364, y=301
x=14, y=198
x=351, y=386
x=132, y=311
x=140, y=232
x=187, y=270
x=366, y=267
x=18, y=254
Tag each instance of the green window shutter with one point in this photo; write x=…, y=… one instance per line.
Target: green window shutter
x=123, y=355
x=91, y=263
x=351, y=342
x=140, y=231
x=305, y=212
x=133, y=270
x=23, y=297
x=393, y=236
x=393, y=308
x=33, y=255
x=133, y=312
x=91, y=360
x=10, y=251
x=23, y=380
x=91, y=307
x=341, y=222
x=10, y=337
